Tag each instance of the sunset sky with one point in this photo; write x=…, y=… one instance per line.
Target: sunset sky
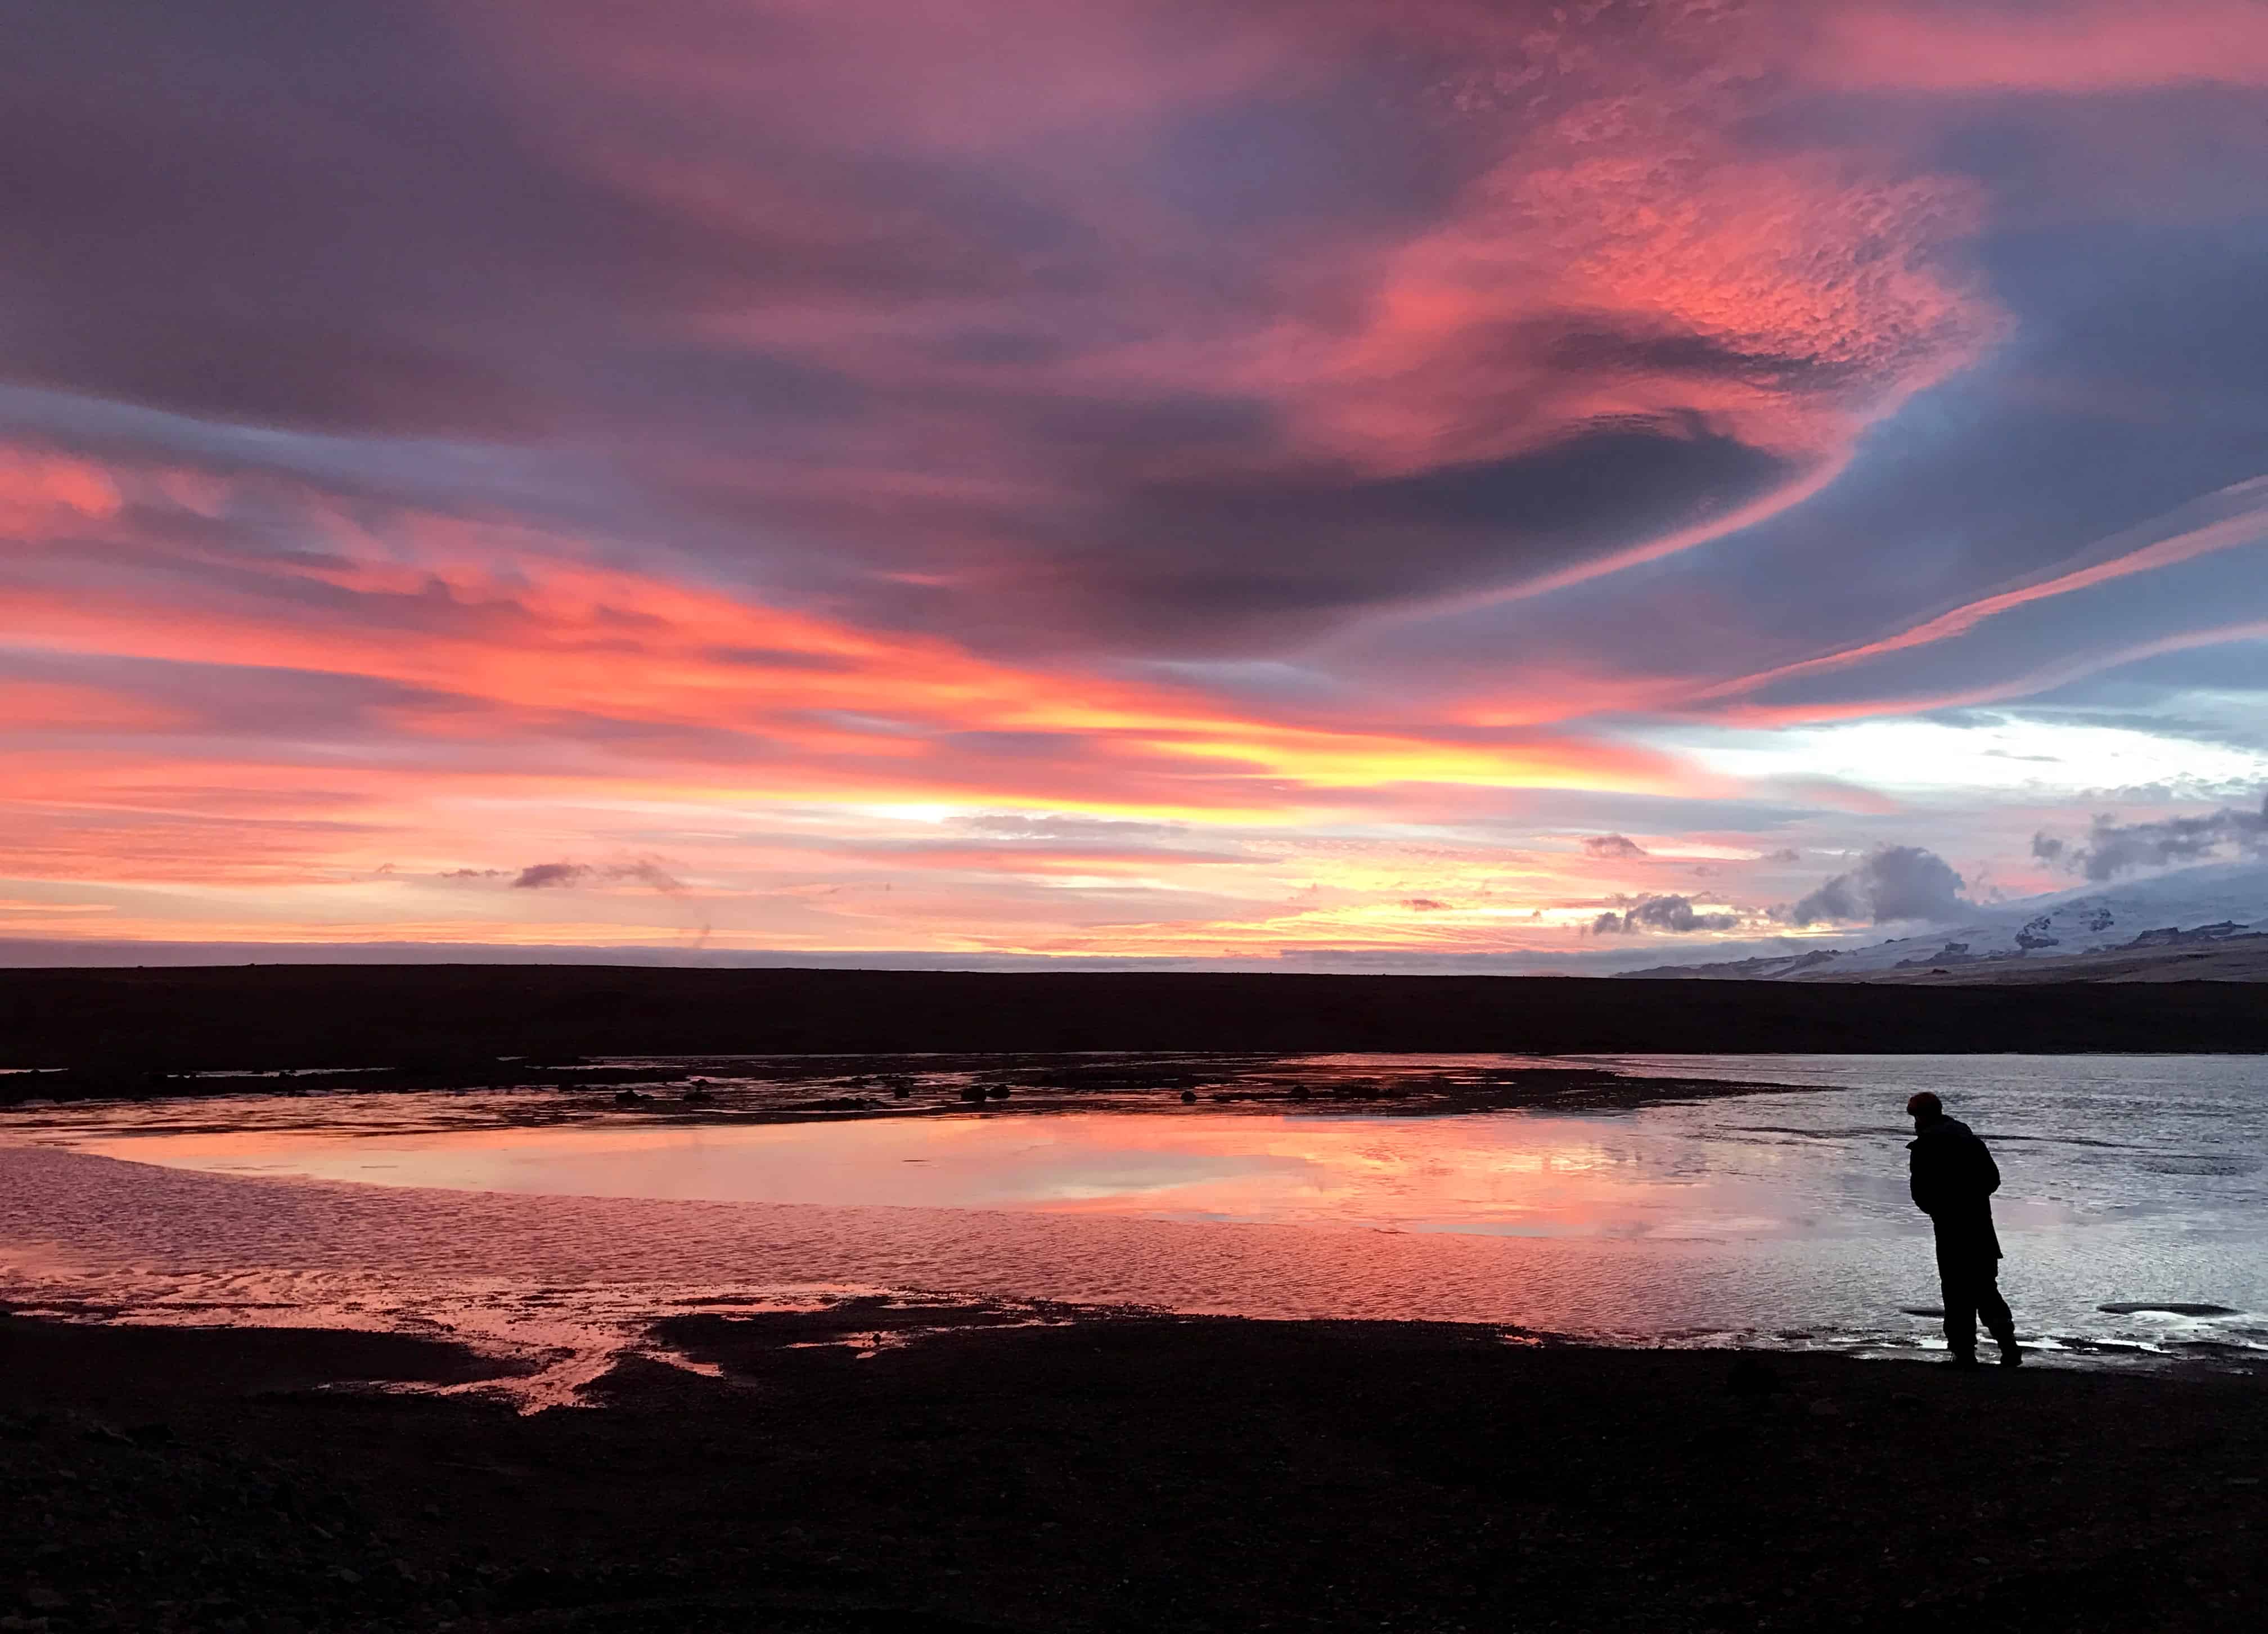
x=1426, y=484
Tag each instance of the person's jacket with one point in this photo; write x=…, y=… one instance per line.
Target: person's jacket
x=1954, y=1179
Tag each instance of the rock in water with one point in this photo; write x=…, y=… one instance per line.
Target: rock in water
x=2167, y=1308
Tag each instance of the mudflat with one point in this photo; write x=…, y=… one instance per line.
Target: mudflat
x=878, y=1465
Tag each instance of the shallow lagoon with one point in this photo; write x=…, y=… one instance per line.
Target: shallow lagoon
x=1778, y=1217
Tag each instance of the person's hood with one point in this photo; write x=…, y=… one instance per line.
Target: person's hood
x=1936, y=1129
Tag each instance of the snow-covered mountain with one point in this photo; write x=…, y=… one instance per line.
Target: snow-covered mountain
x=2182, y=911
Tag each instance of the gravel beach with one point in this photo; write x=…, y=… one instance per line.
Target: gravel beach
x=882, y=1467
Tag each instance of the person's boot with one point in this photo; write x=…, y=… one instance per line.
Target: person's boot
x=2011, y=1356
x=1964, y=1358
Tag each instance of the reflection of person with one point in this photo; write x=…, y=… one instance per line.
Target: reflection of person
x=1954, y=1179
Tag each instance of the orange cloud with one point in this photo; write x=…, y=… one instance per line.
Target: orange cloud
x=37, y=706
x=526, y=648
x=481, y=697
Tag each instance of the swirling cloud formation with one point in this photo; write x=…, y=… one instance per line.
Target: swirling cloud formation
x=1121, y=479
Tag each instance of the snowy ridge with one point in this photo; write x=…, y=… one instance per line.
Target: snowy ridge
x=2188, y=908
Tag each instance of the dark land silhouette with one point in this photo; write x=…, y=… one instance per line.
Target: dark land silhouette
x=1133, y=1474
x=440, y=1016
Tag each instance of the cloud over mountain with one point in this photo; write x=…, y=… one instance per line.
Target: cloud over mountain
x=1897, y=883
x=2112, y=848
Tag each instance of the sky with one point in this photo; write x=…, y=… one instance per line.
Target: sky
x=1415, y=485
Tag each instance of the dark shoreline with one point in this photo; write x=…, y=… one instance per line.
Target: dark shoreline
x=1138, y=1473
x=461, y=1018
x=792, y=1088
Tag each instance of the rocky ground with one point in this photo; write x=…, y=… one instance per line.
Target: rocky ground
x=876, y=1466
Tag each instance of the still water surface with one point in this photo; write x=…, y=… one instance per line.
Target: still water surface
x=1779, y=1217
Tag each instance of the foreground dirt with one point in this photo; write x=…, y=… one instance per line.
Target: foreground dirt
x=1107, y=1474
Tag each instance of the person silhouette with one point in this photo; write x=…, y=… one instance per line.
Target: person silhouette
x=1954, y=1179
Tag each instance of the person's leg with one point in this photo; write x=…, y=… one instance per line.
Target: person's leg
x=1957, y=1285
x=1997, y=1320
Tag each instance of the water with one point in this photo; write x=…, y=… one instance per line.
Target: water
x=1778, y=1217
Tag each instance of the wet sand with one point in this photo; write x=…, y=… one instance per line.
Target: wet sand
x=1127, y=1473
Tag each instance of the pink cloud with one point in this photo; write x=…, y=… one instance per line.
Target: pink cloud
x=1568, y=235
x=1973, y=46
